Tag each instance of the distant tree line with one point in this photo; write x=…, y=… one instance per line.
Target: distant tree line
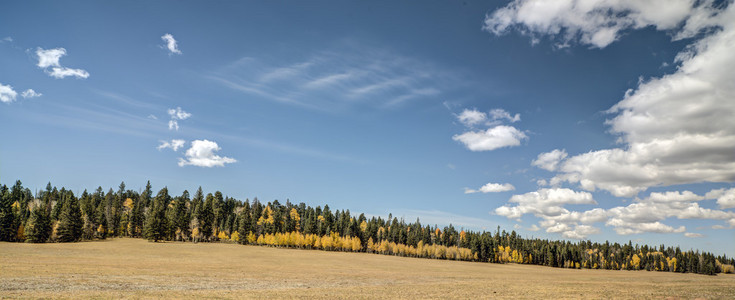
x=54, y=215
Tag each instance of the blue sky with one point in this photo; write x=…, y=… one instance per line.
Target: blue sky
x=558, y=120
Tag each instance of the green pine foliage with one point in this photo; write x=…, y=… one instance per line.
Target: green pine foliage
x=38, y=226
x=70, y=221
x=7, y=218
x=156, y=227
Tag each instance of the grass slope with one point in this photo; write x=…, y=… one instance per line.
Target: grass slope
x=135, y=268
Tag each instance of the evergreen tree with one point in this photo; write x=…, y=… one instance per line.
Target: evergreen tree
x=38, y=226
x=70, y=220
x=7, y=218
x=156, y=227
x=244, y=227
x=181, y=217
x=206, y=217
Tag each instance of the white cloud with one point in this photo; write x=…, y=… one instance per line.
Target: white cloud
x=176, y=115
x=580, y=232
x=6, y=39
x=596, y=23
x=491, y=139
x=202, y=154
x=171, y=43
x=173, y=125
x=491, y=188
x=544, y=203
x=725, y=198
x=675, y=129
x=644, y=215
x=550, y=160
x=173, y=145
x=30, y=93
x=7, y=94
x=49, y=58
x=471, y=117
x=343, y=77
x=693, y=235
x=66, y=72
x=499, y=114
x=624, y=228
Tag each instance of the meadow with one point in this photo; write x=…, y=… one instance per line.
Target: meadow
x=136, y=268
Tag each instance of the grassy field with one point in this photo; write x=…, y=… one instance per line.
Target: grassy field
x=134, y=268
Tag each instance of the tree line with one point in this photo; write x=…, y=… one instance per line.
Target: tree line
x=54, y=215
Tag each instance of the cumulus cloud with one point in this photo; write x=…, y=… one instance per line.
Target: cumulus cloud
x=499, y=114
x=202, y=154
x=674, y=129
x=544, y=203
x=636, y=228
x=549, y=160
x=173, y=125
x=171, y=43
x=580, y=232
x=173, y=145
x=491, y=188
x=596, y=23
x=725, y=198
x=49, y=58
x=30, y=93
x=176, y=114
x=693, y=235
x=472, y=117
x=497, y=137
x=7, y=93
x=644, y=215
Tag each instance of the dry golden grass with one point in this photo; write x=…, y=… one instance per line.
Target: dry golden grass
x=134, y=268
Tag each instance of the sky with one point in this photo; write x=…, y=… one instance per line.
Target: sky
x=561, y=119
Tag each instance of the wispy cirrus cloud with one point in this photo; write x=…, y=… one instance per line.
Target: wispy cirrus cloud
x=338, y=79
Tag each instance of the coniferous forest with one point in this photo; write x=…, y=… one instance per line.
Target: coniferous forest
x=54, y=215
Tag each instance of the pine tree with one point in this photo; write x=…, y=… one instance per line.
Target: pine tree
x=70, y=220
x=244, y=229
x=206, y=217
x=156, y=227
x=38, y=226
x=181, y=217
x=7, y=218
